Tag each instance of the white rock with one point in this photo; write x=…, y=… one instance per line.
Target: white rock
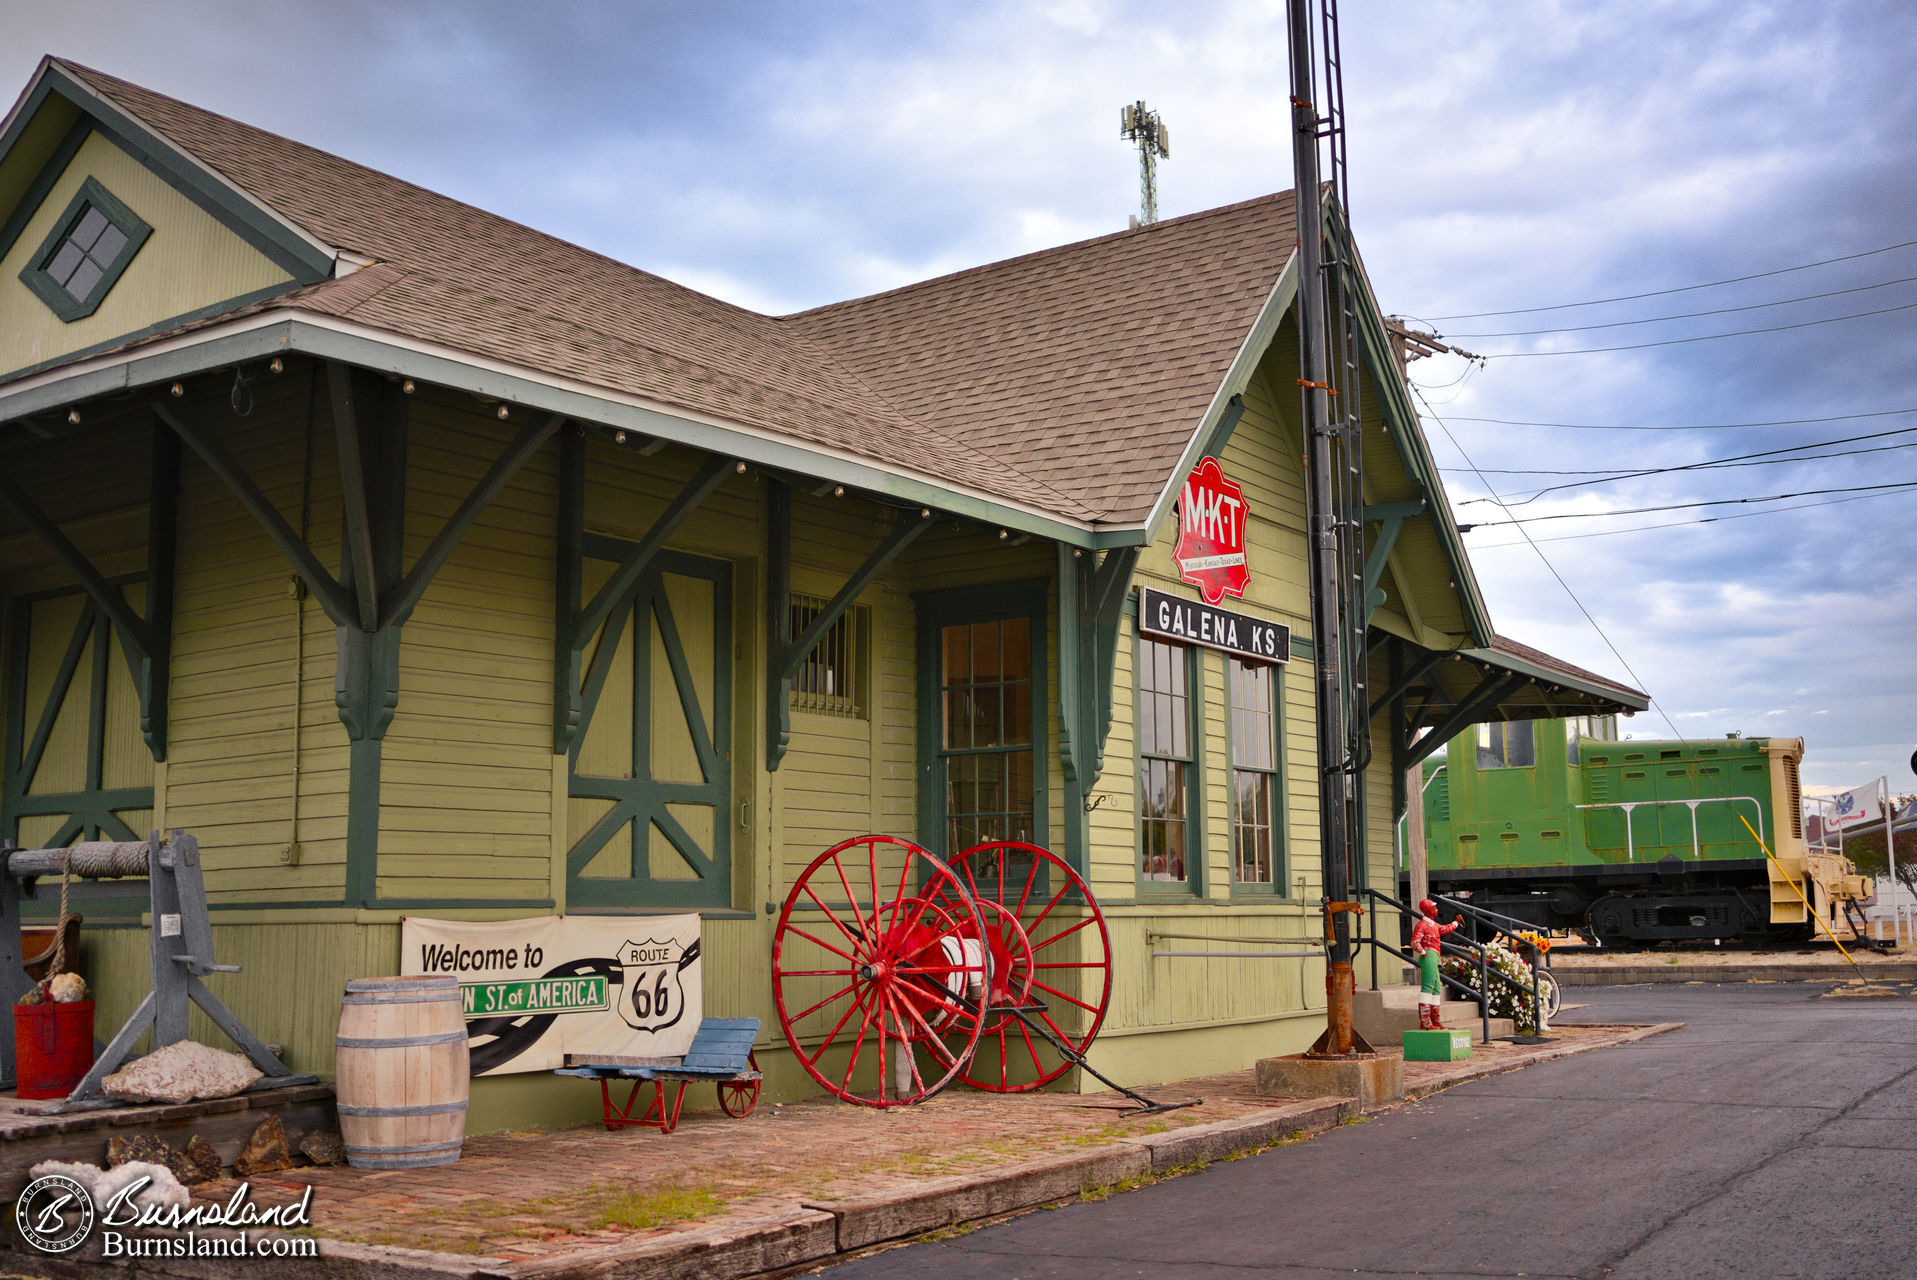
x=84, y=1174
x=182, y=1072
x=67, y=988
x=162, y=1189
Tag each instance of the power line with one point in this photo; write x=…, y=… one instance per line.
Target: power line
x=1545, y=560
x=1678, y=524
x=1675, y=506
x=1706, y=337
x=1768, y=457
x=1661, y=293
x=1686, y=315
x=1615, y=474
x=1697, y=426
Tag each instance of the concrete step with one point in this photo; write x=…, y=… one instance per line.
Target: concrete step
x=1383, y=1016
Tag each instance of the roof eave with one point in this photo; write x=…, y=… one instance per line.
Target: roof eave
x=286, y=330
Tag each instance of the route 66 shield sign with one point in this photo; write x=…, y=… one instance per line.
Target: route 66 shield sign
x=653, y=999
x=1212, y=515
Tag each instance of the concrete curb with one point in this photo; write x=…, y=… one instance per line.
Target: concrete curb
x=816, y=1232
x=1634, y=975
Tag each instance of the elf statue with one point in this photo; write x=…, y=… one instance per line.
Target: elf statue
x=1426, y=935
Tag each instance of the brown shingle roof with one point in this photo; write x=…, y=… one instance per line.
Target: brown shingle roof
x=1089, y=366
x=466, y=279
x=1538, y=657
x=1068, y=380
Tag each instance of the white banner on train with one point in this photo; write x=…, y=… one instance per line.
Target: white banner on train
x=539, y=989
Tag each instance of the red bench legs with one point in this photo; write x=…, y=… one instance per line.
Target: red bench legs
x=655, y=1115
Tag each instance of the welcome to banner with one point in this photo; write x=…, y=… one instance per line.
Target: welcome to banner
x=536, y=990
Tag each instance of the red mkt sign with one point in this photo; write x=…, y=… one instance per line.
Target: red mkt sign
x=1212, y=514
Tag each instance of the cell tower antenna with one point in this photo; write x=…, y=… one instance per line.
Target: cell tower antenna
x=1139, y=125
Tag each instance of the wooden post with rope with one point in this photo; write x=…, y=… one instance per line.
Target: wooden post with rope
x=181, y=937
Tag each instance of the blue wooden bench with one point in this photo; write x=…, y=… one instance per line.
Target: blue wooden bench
x=721, y=1052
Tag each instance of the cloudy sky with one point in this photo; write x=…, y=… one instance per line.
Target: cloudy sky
x=1504, y=158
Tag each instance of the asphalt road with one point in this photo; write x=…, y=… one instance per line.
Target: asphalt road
x=1774, y=1136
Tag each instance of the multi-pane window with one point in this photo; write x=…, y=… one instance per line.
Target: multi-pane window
x=1580, y=729
x=1256, y=835
x=831, y=679
x=985, y=691
x=89, y=248
x=1164, y=760
x=1506, y=745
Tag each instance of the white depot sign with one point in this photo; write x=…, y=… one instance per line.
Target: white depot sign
x=539, y=989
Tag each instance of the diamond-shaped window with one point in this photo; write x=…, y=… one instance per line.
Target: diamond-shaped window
x=90, y=246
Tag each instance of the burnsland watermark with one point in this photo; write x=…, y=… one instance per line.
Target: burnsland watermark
x=54, y=1219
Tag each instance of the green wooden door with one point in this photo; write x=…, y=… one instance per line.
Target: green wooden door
x=651, y=764
x=74, y=765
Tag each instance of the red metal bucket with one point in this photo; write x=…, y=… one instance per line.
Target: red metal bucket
x=52, y=1047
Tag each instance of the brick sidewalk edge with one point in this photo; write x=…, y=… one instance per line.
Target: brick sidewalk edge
x=816, y=1232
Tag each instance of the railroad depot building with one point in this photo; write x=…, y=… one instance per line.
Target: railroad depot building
x=420, y=564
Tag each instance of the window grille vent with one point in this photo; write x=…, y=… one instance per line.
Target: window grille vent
x=831, y=680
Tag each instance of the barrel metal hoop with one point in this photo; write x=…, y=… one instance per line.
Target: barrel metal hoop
x=406, y=1162
x=443, y=996
x=424, y=1109
x=424, y=982
x=423, y=1149
x=399, y=1042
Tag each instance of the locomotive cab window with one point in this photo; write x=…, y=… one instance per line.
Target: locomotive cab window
x=1581, y=729
x=1509, y=745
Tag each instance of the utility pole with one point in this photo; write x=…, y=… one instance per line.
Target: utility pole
x=1327, y=586
x=1142, y=126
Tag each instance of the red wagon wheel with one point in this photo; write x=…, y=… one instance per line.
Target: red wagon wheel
x=878, y=964
x=738, y=1097
x=1051, y=955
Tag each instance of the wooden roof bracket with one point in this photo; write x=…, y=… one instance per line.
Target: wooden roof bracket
x=784, y=651
x=146, y=643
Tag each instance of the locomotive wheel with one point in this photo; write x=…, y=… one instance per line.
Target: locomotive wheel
x=738, y=1097
x=1051, y=953
x=876, y=963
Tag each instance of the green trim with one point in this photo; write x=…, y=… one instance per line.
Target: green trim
x=1609, y=694
x=363, y=762
x=94, y=810
x=640, y=801
x=36, y=192
x=1196, y=850
x=986, y=602
x=129, y=224
x=301, y=259
x=1281, y=809
x=148, y=331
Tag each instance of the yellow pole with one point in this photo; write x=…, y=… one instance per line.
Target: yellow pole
x=1808, y=909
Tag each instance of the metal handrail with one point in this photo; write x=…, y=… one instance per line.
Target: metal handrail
x=1463, y=947
x=1697, y=848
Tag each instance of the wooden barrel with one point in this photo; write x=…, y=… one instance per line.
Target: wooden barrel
x=401, y=1072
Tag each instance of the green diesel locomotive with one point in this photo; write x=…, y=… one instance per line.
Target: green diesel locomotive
x=1560, y=824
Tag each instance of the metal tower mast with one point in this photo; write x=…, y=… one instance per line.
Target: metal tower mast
x=1335, y=495
x=1139, y=125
